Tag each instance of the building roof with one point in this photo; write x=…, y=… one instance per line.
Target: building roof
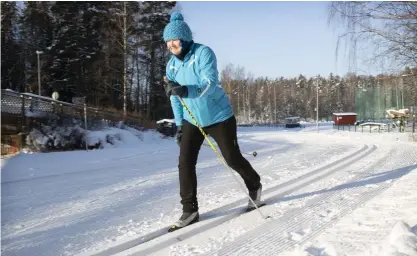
x=345, y=114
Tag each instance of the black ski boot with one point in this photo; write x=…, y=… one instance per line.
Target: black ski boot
x=187, y=218
x=255, y=195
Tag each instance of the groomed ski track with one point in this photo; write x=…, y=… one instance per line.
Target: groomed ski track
x=322, y=206
x=160, y=241
x=122, y=201
x=307, y=222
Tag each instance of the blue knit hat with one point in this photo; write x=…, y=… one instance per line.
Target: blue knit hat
x=177, y=29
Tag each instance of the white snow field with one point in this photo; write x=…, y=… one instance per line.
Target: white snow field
x=327, y=193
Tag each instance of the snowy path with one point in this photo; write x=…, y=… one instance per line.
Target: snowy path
x=371, y=228
x=315, y=209
x=299, y=225
x=122, y=200
x=229, y=212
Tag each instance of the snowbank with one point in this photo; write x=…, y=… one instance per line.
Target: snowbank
x=115, y=137
x=165, y=120
x=122, y=136
x=57, y=138
x=401, y=241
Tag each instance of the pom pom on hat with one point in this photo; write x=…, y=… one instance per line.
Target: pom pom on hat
x=176, y=16
x=177, y=29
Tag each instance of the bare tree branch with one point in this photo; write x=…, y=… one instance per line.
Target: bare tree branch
x=390, y=28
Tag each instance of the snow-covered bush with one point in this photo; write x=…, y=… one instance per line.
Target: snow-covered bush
x=113, y=138
x=69, y=134
x=53, y=138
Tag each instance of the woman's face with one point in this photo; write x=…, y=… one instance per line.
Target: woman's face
x=174, y=46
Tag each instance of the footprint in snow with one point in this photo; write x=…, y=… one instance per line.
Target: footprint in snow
x=328, y=215
x=298, y=235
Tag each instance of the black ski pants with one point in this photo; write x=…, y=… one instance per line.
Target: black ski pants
x=224, y=133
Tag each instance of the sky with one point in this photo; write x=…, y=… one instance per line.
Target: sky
x=270, y=39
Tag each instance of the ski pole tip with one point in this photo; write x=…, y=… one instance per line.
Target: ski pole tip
x=254, y=153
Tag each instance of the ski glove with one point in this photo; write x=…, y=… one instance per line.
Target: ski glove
x=178, y=135
x=173, y=88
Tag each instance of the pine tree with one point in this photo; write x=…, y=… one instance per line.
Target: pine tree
x=74, y=49
x=36, y=29
x=155, y=53
x=11, y=54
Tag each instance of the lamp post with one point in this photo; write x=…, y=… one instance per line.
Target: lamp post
x=39, y=72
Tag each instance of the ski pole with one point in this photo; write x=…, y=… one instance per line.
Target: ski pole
x=250, y=154
x=218, y=154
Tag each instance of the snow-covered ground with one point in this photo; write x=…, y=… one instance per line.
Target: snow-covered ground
x=327, y=193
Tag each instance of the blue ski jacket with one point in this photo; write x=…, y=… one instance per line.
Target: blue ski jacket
x=206, y=100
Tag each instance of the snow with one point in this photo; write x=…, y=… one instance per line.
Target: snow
x=345, y=114
x=328, y=193
x=10, y=90
x=165, y=120
x=37, y=96
x=113, y=137
x=292, y=118
x=401, y=241
x=378, y=227
x=47, y=102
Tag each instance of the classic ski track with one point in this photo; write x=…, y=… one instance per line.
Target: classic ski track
x=159, y=177
x=274, y=157
x=116, y=166
x=184, y=233
x=269, y=239
x=304, y=179
x=227, y=175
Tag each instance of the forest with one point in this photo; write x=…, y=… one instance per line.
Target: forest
x=264, y=100
x=113, y=54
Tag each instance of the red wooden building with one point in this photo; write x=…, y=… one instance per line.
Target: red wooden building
x=344, y=118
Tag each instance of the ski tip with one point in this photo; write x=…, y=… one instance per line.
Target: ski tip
x=173, y=228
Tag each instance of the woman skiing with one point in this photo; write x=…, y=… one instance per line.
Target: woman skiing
x=191, y=73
